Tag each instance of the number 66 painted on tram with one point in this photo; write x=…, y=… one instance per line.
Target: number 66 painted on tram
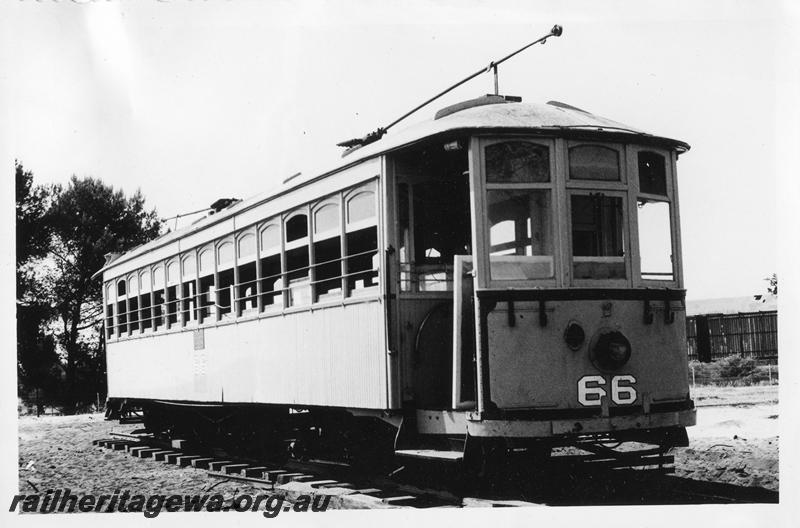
x=591, y=391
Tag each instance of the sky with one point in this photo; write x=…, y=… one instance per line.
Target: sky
x=193, y=101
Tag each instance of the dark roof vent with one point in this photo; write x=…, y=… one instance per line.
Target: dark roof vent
x=480, y=101
x=222, y=203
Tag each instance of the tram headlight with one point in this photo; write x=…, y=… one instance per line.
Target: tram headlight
x=611, y=350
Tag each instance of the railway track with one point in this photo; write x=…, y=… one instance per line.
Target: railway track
x=346, y=487
x=562, y=484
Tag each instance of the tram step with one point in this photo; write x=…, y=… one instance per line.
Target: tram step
x=431, y=454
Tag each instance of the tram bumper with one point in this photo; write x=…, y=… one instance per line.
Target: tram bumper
x=553, y=428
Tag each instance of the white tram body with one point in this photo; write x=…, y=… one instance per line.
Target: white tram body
x=504, y=270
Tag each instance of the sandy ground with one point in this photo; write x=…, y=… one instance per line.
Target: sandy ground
x=735, y=442
x=56, y=452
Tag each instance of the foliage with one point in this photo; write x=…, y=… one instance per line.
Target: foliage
x=38, y=367
x=89, y=219
x=773, y=284
x=732, y=370
x=32, y=232
x=37, y=361
x=79, y=223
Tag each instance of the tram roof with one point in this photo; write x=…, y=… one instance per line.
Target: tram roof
x=486, y=114
x=492, y=113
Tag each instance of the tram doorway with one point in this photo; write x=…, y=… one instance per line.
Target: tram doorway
x=433, y=229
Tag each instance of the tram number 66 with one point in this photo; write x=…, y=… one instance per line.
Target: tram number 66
x=591, y=391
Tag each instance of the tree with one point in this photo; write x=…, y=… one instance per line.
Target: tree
x=32, y=232
x=88, y=219
x=37, y=360
x=773, y=284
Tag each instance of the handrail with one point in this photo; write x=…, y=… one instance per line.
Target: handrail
x=175, y=307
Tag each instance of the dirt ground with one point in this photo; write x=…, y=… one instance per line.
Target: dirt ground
x=56, y=452
x=735, y=442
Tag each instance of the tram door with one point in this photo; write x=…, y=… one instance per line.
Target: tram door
x=434, y=234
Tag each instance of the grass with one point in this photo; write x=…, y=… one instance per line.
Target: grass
x=732, y=371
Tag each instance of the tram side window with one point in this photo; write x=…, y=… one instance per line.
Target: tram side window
x=188, y=290
x=109, y=310
x=133, y=304
x=109, y=320
x=246, y=288
x=297, y=264
x=655, y=243
x=593, y=162
x=206, y=298
x=172, y=293
x=271, y=278
x=362, y=242
x=122, y=308
x=122, y=317
x=520, y=234
x=597, y=237
x=158, y=297
x=652, y=173
x=172, y=305
x=144, y=300
x=188, y=294
x=327, y=253
x=226, y=280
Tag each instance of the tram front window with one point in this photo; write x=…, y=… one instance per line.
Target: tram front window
x=521, y=244
x=655, y=244
x=597, y=237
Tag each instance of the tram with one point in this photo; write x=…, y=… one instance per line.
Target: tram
x=502, y=276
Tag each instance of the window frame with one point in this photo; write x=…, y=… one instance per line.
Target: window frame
x=271, y=251
x=206, y=249
x=120, y=332
x=597, y=184
x=288, y=246
x=149, y=293
x=220, y=267
x=110, y=298
x=132, y=278
x=340, y=202
x=159, y=269
x=242, y=260
x=626, y=240
x=185, y=316
x=241, y=235
x=348, y=195
x=674, y=216
x=480, y=192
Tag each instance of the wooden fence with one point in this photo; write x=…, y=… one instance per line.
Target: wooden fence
x=753, y=335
